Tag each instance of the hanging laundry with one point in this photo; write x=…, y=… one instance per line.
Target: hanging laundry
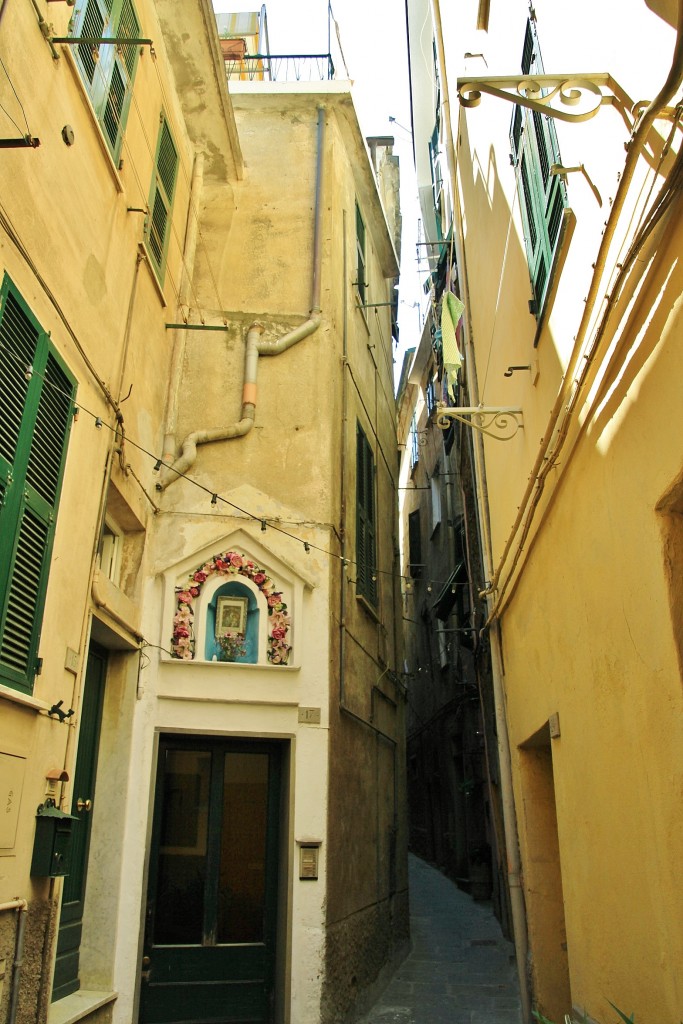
x=451, y=311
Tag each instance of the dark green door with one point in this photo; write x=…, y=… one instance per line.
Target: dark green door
x=209, y=953
x=73, y=894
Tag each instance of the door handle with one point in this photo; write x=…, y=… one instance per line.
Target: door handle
x=146, y=968
x=83, y=805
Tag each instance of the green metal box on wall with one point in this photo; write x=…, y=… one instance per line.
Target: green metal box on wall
x=52, y=844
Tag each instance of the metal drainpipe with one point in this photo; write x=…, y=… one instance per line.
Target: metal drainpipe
x=505, y=763
x=342, y=501
x=180, y=335
x=256, y=347
x=21, y=907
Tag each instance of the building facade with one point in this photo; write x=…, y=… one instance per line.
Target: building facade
x=455, y=814
x=548, y=161
x=202, y=754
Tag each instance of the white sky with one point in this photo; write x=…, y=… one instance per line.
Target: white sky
x=373, y=41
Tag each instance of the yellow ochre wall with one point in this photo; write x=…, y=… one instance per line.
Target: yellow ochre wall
x=588, y=598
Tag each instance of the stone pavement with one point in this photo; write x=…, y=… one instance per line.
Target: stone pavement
x=460, y=969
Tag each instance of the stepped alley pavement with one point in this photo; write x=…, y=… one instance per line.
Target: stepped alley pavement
x=460, y=970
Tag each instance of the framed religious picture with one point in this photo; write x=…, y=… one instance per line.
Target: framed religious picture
x=231, y=615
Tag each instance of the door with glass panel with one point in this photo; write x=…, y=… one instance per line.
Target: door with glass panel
x=209, y=955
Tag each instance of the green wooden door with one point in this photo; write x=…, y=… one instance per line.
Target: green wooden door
x=209, y=954
x=66, y=978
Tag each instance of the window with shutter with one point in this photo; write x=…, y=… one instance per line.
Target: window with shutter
x=108, y=69
x=415, y=544
x=542, y=195
x=36, y=412
x=366, y=545
x=158, y=226
x=361, y=272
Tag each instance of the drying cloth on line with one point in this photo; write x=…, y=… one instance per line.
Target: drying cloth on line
x=451, y=311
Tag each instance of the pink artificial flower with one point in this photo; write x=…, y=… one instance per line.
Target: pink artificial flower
x=274, y=601
x=279, y=633
x=194, y=591
x=220, y=565
x=181, y=631
x=184, y=596
x=259, y=578
x=199, y=576
x=236, y=560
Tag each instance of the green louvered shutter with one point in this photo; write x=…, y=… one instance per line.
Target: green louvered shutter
x=366, y=569
x=118, y=97
x=161, y=199
x=108, y=69
x=542, y=195
x=36, y=405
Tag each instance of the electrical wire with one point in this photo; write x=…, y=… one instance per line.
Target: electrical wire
x=212, y=494
x=28, y=130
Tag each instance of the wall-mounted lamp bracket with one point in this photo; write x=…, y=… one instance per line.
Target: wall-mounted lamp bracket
x=101, y=41
x=539, y=92
x=24, y=142
x=500, y=423
x=562, y=172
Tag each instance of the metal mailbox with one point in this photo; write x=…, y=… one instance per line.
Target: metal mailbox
x=52, y=844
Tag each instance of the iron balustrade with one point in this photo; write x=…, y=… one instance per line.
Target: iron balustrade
x=316, y=67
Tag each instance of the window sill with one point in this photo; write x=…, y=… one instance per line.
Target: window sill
x=17, y=697
x=241, y=665
x=78, y=1005
x=113, y=169
x=367, y=607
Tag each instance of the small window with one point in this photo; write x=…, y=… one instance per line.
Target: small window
x=361, y=270
x=435, y=489
x=366, y=543
x=36, y=412
x=442, y=641
x=542, y=195
x=110, y=552
x=430, y=396
x=437, y=179
x=108, y=69
x=415, y=544
x=414, y=444
x=158, y=228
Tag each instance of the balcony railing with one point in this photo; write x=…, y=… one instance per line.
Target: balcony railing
x=316, y=67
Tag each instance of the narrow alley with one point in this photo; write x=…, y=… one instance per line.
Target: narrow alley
x=461, y=970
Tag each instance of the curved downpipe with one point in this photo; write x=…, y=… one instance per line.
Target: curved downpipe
x=256, y=346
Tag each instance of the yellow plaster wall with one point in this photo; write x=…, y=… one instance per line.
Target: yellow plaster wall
x=590, y=614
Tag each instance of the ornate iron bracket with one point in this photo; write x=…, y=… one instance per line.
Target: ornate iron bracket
x=498, y=422
x=538, y=92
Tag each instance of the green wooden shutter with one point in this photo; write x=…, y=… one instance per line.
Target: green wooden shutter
x=36, y=396
x=542, y=195
x=415, y=544
x=118, y=97
x=91, y=26
x=365, y=519
x=109, y=69
x=161, y=198
x=361, y=273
